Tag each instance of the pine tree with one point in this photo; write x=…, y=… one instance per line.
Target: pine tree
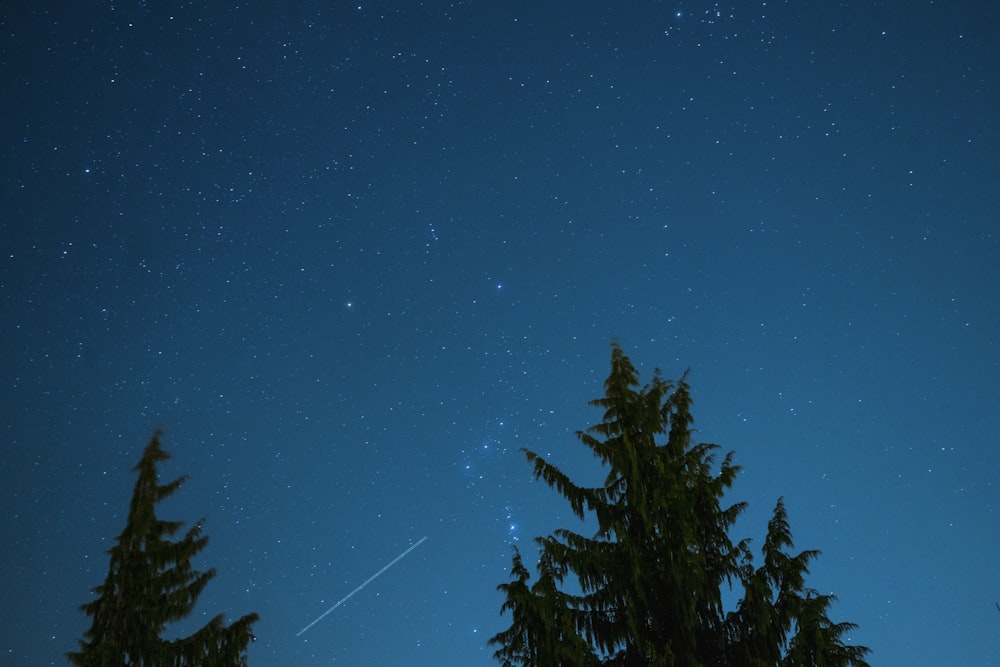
x=545, y=622
x=151, y=583
x=758, y=629
x=819, y=641
x=651, y=578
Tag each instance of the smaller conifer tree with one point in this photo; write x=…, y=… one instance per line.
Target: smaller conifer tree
x=151, y=583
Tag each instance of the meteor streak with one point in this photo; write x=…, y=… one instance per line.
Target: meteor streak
x=365, y=583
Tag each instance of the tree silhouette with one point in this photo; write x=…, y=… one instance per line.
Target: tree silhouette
x=652, y=576
x=545, y=623
x=151, y=583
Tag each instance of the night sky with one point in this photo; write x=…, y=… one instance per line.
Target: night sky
x=352, y=257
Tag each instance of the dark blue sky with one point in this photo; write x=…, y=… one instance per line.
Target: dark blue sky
x=352, y=257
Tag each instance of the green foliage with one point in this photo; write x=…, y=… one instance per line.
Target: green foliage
x=545, y=628
x=652, y=576
x=151, y=583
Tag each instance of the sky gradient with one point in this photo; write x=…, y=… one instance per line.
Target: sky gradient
x=352, y=256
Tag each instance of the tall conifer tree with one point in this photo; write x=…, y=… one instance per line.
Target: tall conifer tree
x=652, y=576
x=151, y=583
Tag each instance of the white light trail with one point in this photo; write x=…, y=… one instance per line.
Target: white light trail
x=365, y=583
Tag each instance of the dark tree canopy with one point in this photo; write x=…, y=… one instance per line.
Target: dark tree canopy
x=150, y=584
x=649, y=583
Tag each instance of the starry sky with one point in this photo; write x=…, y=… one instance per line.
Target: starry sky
x=352, y=256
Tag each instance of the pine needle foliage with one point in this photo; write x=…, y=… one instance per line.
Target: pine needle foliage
x=650, y=581
x=151, y=583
